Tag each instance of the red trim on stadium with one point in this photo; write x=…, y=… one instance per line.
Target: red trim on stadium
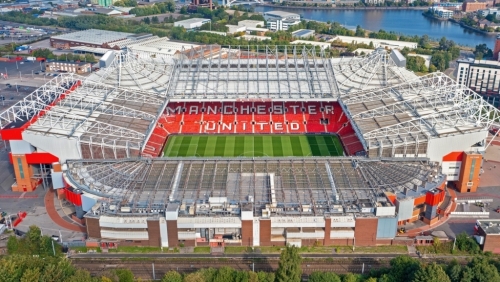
x=453, y=157
x=16, y=133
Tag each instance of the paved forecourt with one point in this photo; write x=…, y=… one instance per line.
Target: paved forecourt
x=253, y=146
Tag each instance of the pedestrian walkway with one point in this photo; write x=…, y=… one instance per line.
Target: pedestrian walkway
x=50, y=202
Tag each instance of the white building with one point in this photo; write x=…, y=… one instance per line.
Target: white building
x=235, y=28
x=441, y=12
x=251, y=23
x=303, y=33
x=487, y=12
x=482, y=76
x=254, y=37
x=322, y=45
x=279, y=20
x=391, y=44
x=280, y=15
x=193, y=23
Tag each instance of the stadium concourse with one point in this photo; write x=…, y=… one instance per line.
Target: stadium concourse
x=100, y=140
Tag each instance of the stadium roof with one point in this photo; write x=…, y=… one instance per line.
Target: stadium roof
x=95, y=114
x=413, y=112
x=293, y=186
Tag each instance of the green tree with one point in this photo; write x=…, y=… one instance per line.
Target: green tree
x=403, y=268
x=154, y=20
x=147, y=20
x=359, y=32
x=319, y=276
x=349, y=277
x=289, y=269
x=431, y=273
x=483, y=270
x=224, y=274
x=183, y=10
x=124, y=275
x=172, y=276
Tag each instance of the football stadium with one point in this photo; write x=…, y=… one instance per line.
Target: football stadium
x=250, y=146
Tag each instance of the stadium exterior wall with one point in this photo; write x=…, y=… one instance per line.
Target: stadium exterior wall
x=440, y=147
x=367, y=231
x=63, y=148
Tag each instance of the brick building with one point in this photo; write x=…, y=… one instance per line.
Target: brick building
x=473, y=5
x=63, y=66
x=488, y=235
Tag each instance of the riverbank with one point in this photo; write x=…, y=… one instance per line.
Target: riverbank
x=473, y=28
x=342, y=8
x=433, y=17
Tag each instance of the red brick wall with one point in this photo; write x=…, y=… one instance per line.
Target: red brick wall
x=173, y=236
x=247, y=232
x=365, y=231
x=265, y=232
x=93, y=228
x=328, y=228
x=154, y=233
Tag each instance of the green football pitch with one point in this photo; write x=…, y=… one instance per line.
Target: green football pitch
x=252, y=146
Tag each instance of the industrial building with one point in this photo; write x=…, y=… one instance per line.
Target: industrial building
x=303, y=33
x=94, y=38
x=390, y=44
x=192, y=23
x=99, y=141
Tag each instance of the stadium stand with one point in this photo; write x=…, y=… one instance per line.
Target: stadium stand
x=260, y=116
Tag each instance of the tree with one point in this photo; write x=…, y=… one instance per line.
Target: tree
x=359, y=32
x=424, y=41
x=483, y=271
x=319, y=276
x=183, y=10
x=124, y=275
x=289, y=269
x=403, y=268
x=349, y=277
x=172, y=276
x=147, y=20
x=154, y=20
x=431, y=273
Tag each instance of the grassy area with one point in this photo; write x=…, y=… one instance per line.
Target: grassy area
x=253, y=145
x=201, y=250
x=141, y=250
x=237, y=250
x=373, y=250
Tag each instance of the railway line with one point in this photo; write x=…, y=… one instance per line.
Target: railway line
x=157, y=268
x=154, y=269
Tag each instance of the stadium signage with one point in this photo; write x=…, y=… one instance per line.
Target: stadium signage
x=248, y=109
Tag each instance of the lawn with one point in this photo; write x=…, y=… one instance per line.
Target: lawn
x=253, y=146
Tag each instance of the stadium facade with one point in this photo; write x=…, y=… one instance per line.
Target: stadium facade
x=100, y=139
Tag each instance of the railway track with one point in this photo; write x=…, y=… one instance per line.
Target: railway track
x=157, y=269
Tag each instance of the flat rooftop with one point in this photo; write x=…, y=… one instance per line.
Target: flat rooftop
x=192, y=21
x=93, y=36
x=490, y=226
x=302, y=32
x=282, y=14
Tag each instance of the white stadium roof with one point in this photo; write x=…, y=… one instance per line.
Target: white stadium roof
x=394, y=112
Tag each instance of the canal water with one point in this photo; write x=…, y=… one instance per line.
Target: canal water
x=408, y=22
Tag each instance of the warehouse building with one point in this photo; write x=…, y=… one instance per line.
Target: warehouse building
x=193, y=23
x=93, y=38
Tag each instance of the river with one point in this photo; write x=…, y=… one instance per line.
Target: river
x=408, y=22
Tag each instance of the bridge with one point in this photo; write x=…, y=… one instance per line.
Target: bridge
x=229, y=3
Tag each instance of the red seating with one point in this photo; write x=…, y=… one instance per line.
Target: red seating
x=253, y=117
